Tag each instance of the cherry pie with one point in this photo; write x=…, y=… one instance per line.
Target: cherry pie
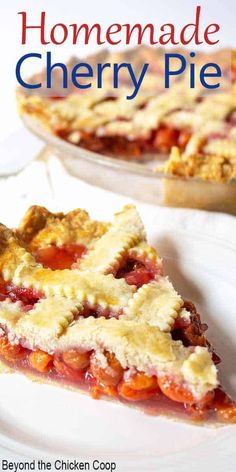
x=85, y=304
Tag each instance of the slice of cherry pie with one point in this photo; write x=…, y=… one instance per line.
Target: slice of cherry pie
x=85, y=304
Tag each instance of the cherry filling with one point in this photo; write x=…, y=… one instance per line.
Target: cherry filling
x=26, y=295
x=138, y=276
x=135, y=273
x=138, y=272
x=165, y=137
x=60, y=257
x=139, y=387
x=191, y=331
x=231, y=118
x=161, y=141
x=82, y=368
x=97, y=311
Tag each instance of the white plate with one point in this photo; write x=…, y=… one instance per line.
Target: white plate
x=44, y=421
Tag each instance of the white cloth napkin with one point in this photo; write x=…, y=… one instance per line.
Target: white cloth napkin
x=47, y=183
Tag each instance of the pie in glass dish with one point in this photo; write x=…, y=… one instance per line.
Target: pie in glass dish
x=146, y=127
x=85, y=304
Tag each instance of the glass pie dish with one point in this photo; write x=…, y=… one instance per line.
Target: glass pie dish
x=140, y=181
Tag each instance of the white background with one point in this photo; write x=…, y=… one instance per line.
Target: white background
x=90, y=11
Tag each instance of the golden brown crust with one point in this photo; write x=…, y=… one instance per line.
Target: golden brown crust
x=40, y=228
x=214, y=168
x=34, y=220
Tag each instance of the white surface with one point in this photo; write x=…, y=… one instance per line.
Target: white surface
x=17, y=151
x=199, y=251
